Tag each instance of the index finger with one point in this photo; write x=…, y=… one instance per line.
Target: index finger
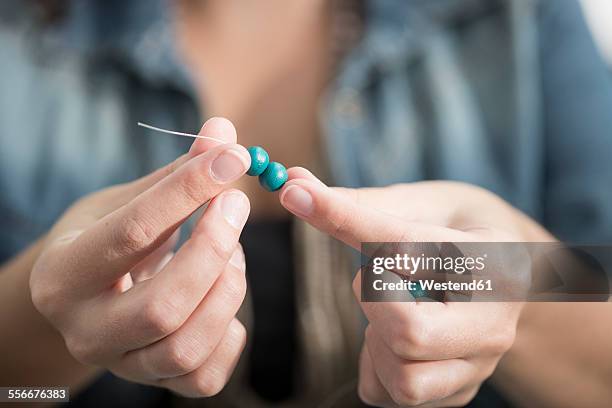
x=339, y=215
x=121, y=239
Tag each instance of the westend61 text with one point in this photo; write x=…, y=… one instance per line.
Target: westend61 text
x=430, y=284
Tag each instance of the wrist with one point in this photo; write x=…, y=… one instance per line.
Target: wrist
x=31, y=341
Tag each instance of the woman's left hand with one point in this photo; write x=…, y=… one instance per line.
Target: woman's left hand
x=428, y=354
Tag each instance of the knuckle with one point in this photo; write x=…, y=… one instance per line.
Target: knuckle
x=46, y=293
x=45, y=297
x=504, y=340
x=193, y=186
x=409, y=391
x=161, y=318
x=409, y=340
x=340, y=221
x=238, y=334
x=398, y=341
x=221, y=249
x=467, y=396
x=235, y=287
x=182, y=356
x=135, y=234
x=365, y=393
x=172, y=167
x=82, y=350
x=209, y=383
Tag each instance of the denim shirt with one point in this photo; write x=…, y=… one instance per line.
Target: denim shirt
x=510, y=95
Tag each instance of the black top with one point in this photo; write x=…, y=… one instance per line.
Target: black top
x=269, y=257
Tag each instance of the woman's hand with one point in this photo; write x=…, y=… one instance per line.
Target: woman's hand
x=108, y=281
x=427, y=354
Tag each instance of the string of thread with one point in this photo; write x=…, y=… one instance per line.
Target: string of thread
x=173, y=132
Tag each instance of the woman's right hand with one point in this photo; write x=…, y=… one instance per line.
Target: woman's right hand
x=108, y=281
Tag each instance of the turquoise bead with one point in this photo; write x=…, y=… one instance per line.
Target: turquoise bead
x=419, y=292
x=259, y=160
x=273, y=177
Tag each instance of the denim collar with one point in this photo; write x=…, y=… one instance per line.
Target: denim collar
x=139, y=32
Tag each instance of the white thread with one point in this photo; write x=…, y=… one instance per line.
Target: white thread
x=172, y=132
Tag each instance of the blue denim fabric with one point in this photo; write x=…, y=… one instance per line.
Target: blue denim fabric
x=509, y=95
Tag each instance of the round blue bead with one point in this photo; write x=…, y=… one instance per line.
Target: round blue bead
x=259, y=160
x=419, y=292
x=273, y=177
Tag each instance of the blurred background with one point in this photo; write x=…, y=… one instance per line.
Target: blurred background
x=599, y=17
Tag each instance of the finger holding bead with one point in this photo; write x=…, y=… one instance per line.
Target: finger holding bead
x=339, y=215
x=302, y=173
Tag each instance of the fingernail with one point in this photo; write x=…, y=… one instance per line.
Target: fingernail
x=297, y=200
x=229, y=165
x=237, y=259
x=235, y=209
